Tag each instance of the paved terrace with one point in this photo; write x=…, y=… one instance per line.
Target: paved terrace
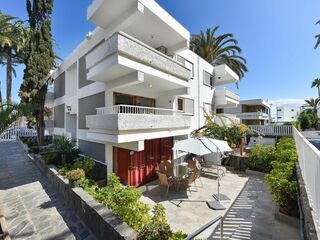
x=33, y=209
x=250, y=217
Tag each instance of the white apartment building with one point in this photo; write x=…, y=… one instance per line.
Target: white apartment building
x=287, y=113
x=251, y=112
x=132, y=88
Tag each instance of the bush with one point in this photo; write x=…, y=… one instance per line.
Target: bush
x=86, y=164
x=50, y=157
x=282, y=179
x=75, y=174
x=63, y=145
x=261, y=157
x=34, y=149
x=282, y=183
x=308, y=119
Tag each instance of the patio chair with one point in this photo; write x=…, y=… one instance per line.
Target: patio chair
x=189, y=180
x=165, y=181
x=198, y=170
x=161, y=167
x=169, y=167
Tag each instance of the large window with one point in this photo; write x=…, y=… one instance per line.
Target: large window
x=207, y=79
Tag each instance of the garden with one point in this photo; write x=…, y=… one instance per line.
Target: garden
x=279, y=164
x=123, y=201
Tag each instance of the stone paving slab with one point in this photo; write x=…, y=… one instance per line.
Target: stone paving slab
x=253, y=216
x=32, y=207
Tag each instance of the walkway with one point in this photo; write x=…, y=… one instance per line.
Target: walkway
x=33, y=209
x=252, y=216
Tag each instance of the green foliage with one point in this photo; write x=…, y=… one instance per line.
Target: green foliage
x=282, y=178
x=261, y=157
x=9, y=113
x=50, y=157
x=282, y=183
x=63, y=145
x=307, y=120
x=34, y=149
x=85, y=164
x=157, y=228
x=75, y=174
x=39, y=60
x=219, y=49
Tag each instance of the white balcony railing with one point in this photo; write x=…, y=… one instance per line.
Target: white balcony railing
x=309, y=162
x=131, y=109
x=272, y=130
x=253, y=115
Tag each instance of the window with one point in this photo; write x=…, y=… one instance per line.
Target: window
x=292, y=117
x=292, y=110
x=186, y=105
x=219, y=110
x=207, y=79
x=279, y=110
x=207, y=108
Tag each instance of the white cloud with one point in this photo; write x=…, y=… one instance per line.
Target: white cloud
x=287, y=102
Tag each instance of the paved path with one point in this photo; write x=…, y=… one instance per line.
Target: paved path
x=33, y=209
x=252, y=216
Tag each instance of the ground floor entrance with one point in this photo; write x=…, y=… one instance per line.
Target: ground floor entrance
x=136, y=168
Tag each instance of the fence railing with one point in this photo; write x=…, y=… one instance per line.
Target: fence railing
x=131, y=109
x=272, y=130
x=13, y=133
x=309, y=162
x=206, y=226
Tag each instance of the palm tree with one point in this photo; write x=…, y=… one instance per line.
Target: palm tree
x=12, y=41
x=314, y=103
x=317, y=37
x=221, y=49
x=316, y=83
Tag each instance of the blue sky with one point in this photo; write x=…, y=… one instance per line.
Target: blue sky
x=277, y=38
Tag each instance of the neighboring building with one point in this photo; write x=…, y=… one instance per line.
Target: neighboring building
x=287, y=114
x=132, y=88
x=251, y=112
x=49, y=108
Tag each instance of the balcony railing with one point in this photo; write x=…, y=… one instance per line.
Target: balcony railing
x=253, y=115
x=129, y=47
x=131, y=109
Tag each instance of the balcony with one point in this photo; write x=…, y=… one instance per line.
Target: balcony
x=224, y=98
x=122, y=55
x=253, y=116
x=224, y=75
x=124, y=118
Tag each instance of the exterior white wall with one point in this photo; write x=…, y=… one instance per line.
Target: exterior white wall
x=288, y=113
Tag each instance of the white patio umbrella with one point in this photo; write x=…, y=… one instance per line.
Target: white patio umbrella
x=203, y=146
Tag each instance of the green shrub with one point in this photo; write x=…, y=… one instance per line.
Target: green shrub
x=307, y=119
x=34, y=149
x=86, y=164
x=50, y=157
x=75, y=174
x=63, y=145
x=282, y=183
x=261, y=157
x=286, y=142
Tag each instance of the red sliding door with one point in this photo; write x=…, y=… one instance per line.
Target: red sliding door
x=139, y=167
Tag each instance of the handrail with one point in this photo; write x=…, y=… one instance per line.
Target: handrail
x=204, y=227
x=132, y=109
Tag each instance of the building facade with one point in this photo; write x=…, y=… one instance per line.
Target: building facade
x=287, y=113
x=132, y=88
x=251, y=112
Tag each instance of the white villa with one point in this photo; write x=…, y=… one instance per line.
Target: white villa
x=132, y=88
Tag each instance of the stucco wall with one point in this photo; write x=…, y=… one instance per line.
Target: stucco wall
x=92, y=149
x=59, y=115
x=59, y=85
x=83, y=81
x=88, y=105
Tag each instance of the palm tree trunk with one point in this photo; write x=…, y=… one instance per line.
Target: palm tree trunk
x=0, y=98
x=319, y=91
x=9, y=75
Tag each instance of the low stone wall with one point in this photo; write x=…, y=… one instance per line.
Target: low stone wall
x=309, y=227
x=101, y=221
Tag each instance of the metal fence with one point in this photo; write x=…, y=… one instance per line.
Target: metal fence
x=309, y=161
x=13, y=133
x=272, y=130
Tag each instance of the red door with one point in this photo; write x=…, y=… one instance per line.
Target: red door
x=121, y=164
x=139, y=167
